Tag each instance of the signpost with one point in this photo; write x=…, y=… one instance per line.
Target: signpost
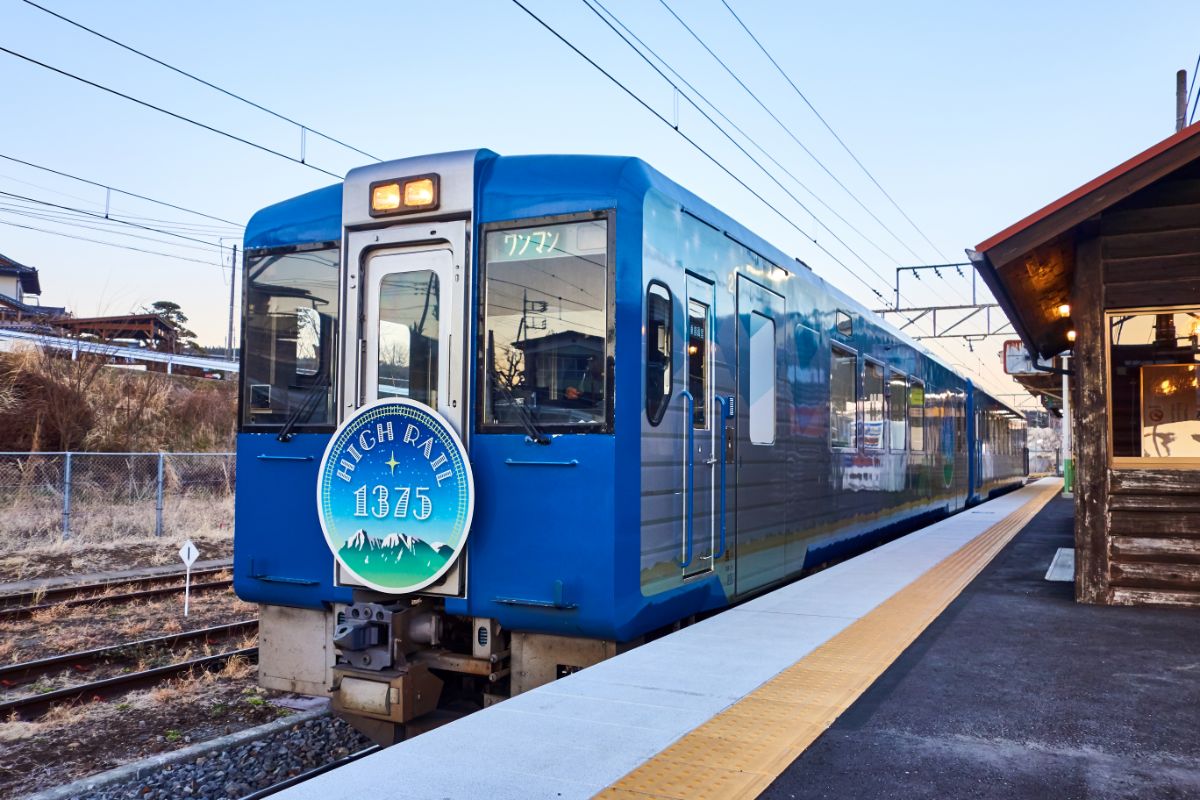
x=189, y=554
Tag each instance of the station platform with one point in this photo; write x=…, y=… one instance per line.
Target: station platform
x=852, y=683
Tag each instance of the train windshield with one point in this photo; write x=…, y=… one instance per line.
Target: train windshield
x=545, y=335
x=289, y=340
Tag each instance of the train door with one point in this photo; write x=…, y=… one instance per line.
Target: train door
x=762, y=466
x=702, y=428
x=407, y=324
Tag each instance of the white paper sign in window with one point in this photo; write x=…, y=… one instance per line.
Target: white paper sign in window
x=762, y=379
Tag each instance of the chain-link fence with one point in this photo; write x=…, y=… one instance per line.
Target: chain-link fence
x=114, y=500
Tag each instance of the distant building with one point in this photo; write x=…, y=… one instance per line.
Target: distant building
x=18, y=285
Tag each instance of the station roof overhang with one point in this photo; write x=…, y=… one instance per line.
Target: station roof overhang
x=1030, y=266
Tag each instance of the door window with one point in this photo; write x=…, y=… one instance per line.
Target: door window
x=698, y=362
x=408, y=336
x=843, y=399
x=873, y=406
x=762, y=379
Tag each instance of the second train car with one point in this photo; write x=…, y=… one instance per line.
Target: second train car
x=659, y=414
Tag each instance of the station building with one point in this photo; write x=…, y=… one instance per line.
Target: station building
x=1111, y=274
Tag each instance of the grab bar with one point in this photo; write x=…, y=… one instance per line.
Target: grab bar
x=724, y=432
x=688, y=478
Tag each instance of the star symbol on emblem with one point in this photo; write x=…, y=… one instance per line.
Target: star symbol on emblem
x=392, y=462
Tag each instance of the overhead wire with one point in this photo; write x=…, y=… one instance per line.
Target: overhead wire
x=62, y=218
x=1193, y=100
x=784, y=127
x=111, y=244
x=758, y=146
x=172, y=114
x=200, y=80
x=113, y=219
x=119, y=191
x=709, y=156
x=834, y=133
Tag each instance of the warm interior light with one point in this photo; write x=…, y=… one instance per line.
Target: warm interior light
x=1070, y=336
x=385, y=197
x=1064, y=310
x=693, y=349
x=419, y=193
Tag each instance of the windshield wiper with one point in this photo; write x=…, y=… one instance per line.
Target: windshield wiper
x=531, y=429
x=308, y=404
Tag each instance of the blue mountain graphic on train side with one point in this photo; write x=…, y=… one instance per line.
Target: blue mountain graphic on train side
x=395, y=560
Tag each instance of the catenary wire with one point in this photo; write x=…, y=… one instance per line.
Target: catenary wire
x=758, y=146
x=694, y=144
x=119, y=191
x=834, y=133
x=173, y=114
x=86, y=213
x=111, y=244
x=199, y=80
x=784, y=127
x=61, y=218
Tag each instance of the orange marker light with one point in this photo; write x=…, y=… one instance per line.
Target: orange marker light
x=420, y=193
x=385, y=197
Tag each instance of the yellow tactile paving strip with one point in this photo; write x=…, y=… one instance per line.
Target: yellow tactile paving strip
x=739, y=752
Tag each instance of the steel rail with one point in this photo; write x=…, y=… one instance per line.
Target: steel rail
x=25, y=672
x=21, y=612
x=67, y=592
x=35, y=706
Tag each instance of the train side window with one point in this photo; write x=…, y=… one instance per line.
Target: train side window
x=658, y=351
x=843, y=399
x=897, y=410
x=843, y=323
x=873, y=407
x=762, y=379
x=916, y=416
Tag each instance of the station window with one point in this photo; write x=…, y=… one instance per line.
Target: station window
x=1154, y=389
x=658, y=351
x=697, y=352
x=843, y=399
x=289, y=341
x=916, y=416
x=873, y=435
x=762, y=379
x=897, y=409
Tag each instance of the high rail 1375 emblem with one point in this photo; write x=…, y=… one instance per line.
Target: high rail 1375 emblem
x=395, y=496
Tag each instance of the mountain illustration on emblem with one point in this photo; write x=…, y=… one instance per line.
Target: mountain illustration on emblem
x=395, y=560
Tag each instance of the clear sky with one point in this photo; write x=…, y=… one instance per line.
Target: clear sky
x=970, y=114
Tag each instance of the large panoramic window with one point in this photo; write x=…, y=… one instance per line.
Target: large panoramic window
x=1154, y=373
x=843, y=399
x=290, y=339
x=545, y=332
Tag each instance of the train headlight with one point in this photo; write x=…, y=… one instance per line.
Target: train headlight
x=406, y=195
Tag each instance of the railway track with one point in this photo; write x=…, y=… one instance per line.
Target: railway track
x=36, y=705
x=26, y=604
x=308, y=774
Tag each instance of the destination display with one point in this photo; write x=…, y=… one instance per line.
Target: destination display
x=581, y=239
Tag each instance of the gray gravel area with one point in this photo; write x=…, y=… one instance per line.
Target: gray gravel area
x=238, y=771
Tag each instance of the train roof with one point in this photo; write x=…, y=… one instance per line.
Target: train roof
x=316, y=216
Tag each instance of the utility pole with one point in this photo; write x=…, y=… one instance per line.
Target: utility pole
x=1181, y=99
x=232, y=284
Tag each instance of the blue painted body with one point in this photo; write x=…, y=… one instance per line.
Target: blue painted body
x=557, y=540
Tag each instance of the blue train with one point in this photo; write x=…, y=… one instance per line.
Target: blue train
x=637, y=409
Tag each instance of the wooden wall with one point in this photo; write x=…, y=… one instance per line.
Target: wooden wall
x=1137, y=531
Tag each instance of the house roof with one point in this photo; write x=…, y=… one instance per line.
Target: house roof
x=32, y=310
x=27, y=275
x=1029, y=265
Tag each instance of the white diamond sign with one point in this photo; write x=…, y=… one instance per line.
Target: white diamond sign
x=189, y=554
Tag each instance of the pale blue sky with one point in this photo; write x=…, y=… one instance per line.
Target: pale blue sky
x=970, y=114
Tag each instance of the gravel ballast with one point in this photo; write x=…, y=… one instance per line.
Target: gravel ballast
x=232, y=773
